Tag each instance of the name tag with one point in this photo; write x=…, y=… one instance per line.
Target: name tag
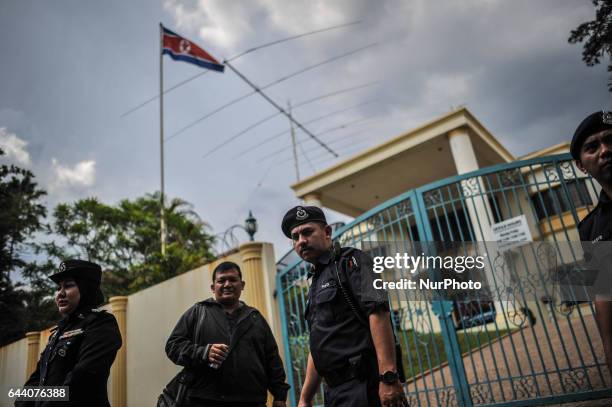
x=70, y=334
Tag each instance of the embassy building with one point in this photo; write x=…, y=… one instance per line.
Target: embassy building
x=452, y=184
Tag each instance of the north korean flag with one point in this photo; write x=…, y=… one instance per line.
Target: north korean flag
x=181, y=49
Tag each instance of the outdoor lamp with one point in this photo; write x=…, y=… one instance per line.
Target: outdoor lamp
x=250, y=226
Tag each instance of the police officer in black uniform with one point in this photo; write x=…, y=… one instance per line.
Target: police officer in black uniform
x=351, y=338
x=82, y=348
x=591, y=149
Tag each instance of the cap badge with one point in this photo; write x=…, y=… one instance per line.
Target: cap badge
x=62, y=267
x=300, y=213
x=606, y=117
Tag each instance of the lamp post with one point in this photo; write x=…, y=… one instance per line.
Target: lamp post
x=228, y=238
x=250, y=226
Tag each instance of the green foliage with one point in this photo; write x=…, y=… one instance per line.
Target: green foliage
x=598, y=36
x=125, y=240
x=21, y=216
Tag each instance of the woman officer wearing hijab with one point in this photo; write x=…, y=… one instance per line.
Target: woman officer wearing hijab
x=82, y=348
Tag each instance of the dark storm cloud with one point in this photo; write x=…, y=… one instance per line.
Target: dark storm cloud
x=71, y=68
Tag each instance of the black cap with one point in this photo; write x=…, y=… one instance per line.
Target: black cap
x=88, y=277
x=593, y=123
x=299, y=215
x=81, y=269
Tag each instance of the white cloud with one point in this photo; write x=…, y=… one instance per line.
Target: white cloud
x=219, y=23
x=82, y=174
x=230, y=25
x=299, y=16
x=14, y=147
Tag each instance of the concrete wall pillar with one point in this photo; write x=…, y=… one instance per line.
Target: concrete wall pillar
x=33, y=341
x=462, y=150
x=253, y=275
x=313, y=199
x=477, y=203
x=473, y=189
x=118, y=307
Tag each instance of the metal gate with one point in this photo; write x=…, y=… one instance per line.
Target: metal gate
x=525, y=350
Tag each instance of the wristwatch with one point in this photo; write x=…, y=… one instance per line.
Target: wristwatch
x=389, y=377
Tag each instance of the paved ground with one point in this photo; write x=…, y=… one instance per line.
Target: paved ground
x=515, y=368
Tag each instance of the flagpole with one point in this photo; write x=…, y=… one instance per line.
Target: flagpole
x=161, y=138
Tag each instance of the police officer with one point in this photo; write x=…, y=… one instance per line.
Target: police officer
x=591, y=149
x=82, y=348
x=351, y=338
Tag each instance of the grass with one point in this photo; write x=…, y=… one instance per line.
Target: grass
x=423, y=352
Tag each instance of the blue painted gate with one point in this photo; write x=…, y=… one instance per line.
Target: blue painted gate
x=525, y=349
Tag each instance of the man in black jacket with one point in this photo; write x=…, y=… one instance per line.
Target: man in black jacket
x=235, y=358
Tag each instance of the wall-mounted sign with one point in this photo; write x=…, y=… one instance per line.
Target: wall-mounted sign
x=511, y=233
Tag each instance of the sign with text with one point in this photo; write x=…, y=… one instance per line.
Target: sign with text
x=511, y=233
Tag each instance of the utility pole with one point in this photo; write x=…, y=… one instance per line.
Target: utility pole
x=295, y=157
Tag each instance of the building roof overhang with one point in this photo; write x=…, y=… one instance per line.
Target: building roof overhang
x=410, y=160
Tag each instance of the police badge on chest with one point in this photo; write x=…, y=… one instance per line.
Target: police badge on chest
x=66, y=339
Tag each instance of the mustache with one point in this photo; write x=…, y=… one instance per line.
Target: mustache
x=606, y=162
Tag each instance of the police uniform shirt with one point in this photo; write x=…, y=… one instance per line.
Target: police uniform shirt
x=595, y=234
x=335, y=331
x=79, y=354
x=597, y=225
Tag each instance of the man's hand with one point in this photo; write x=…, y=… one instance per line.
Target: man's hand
x=392, y=395
x=217, y=353
x=277, y=403
x=311, y=384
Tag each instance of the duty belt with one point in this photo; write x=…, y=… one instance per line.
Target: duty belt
x=354, y=369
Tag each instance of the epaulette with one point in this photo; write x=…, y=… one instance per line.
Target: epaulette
x=347, y=256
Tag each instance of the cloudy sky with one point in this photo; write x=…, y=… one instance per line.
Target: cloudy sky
x=70, y=70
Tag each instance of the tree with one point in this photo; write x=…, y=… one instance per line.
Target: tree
x=21, y=217
x=598, y=35
x=124, y=240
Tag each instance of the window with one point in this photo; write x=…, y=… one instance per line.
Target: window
x=554, y=201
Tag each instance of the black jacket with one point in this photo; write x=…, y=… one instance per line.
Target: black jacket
x=252, y=366
x=79, y=355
